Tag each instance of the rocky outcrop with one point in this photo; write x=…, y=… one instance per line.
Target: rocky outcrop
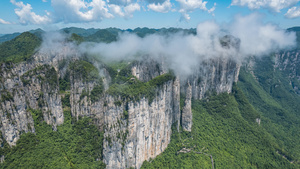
x=21, y=91
x=187, y=115
x=211, y=76
x=215, y=75
x=32, y=84
x=138, y=131
x=134, y=130
x=146, y=68
x=82, y=105
x=289, y=62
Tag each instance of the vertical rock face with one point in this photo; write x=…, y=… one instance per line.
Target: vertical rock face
x=145, y=133
x=26, y=86
x=82, y=106
x=215, y=75
x=13, y=105
x=148, y=69
x=187, y=116
x=176, y=102
x=134, y=131
x=30, y=85
x=289, y=62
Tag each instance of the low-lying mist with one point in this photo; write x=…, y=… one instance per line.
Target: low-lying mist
x=248, y=36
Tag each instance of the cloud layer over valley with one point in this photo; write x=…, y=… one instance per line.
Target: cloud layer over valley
x=249, y=36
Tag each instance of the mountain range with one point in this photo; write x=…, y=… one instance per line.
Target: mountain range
x=63, y=107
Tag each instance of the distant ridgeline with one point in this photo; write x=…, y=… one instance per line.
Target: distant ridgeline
x=65, y=109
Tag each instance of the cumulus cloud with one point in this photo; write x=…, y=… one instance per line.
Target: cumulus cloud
x=274, y=5
x=293, y=12
x=187, y=6
x=183, y=52
x=191, y=5
x=162, y=7
x=129, y=9
x=25, y=14
x=4, y=22
x=117, y=10
x=75, y=11
x=80, y=11
x=185, y=17
x=123, y=8
x=211, y=10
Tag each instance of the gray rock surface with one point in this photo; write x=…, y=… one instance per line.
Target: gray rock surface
x=145, y=133
x=187, y=115
x=134, y=131
x=288, y=62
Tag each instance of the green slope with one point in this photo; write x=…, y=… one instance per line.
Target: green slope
x=272, y=95
x=221, y=129
x=224, y=126
x=102, y=35
x=8, y=37
x=20, y=48
x=75, y=144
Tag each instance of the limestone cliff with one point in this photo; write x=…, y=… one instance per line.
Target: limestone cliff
x=146, y=68
x=31, y=85
x=187, y=115
x=135, y=130
x=289, y=62
x=215, y=75
x=26, y=86
x=138, y=131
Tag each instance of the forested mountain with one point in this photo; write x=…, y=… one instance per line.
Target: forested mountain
x=257, y=126
x=66, y=108
x=102, y=35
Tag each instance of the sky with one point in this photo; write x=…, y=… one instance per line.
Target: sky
x=24, y=15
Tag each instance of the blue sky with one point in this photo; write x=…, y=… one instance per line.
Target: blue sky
x=23, y=15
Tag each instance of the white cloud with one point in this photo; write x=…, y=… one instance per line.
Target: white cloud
x=258, y=38
x=117, y=10
x=26, y=16
x=76, y=11
x=188, y=6
x=162, y=7
x=211, y=10
x=80, y=11
x=124, y=11
x=4, y=22
x=185, y=17
x=183, y=52
x=191, y=5
x=293, y=12
x=274, y=5
x=129, y=9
